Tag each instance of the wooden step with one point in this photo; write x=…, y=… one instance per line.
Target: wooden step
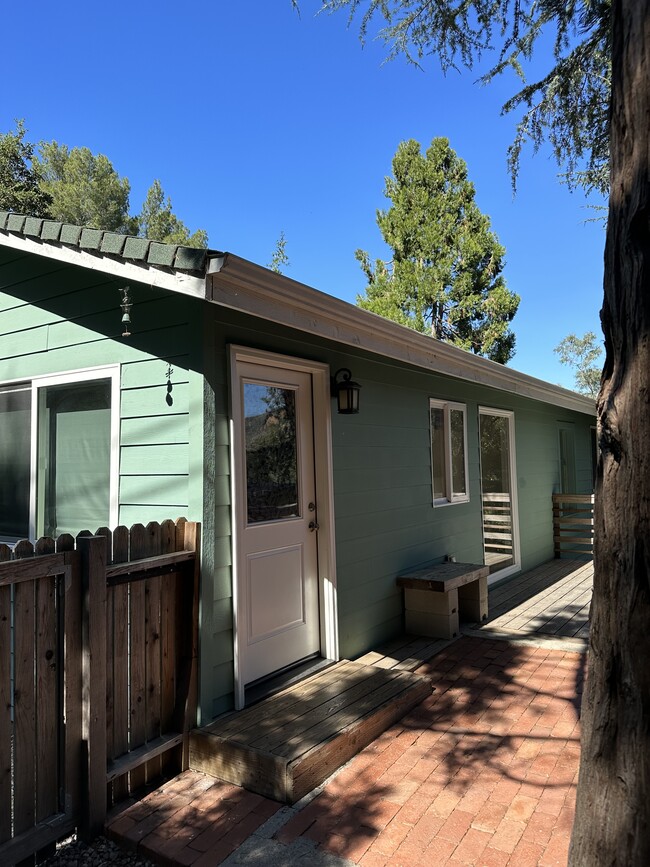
x=286, y=745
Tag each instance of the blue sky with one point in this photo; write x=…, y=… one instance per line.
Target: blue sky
x=258, y=121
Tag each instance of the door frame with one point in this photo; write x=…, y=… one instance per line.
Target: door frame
x=514, y=499
x=321, y=402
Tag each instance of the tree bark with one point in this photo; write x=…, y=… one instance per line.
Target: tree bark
x=612, y=824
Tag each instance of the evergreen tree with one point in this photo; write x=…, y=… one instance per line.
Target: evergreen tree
x=158, y=222
x=84, y=188
x=444, y=277
x=20, y=181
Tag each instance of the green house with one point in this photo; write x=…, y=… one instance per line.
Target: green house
x=221, y=403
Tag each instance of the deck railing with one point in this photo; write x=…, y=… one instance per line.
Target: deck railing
x=497, y=527
x=98, y=675
x=573, y=525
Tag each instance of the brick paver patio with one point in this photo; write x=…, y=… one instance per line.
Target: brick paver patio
x=481, y=773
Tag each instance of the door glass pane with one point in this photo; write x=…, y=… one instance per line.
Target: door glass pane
x=15, y=437
x=496, y=492
x=74, y=458
x=271, y=452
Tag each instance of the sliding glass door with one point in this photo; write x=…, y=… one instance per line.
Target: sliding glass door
x=499, y=491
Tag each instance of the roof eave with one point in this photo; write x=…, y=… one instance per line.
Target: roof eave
x=241, y=285
x=175, y=280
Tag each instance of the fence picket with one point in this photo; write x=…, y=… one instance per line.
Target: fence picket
x=168, y=644
x=119, y=654
x=153, y=667
x=48, y=661
x=138, y=551
x=24, y=708
x=6, y=702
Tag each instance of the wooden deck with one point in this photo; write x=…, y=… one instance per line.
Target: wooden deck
x=551, y=601
x=286, y=745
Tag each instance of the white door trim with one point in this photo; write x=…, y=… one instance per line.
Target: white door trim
x=514, y=498
x=320, y=374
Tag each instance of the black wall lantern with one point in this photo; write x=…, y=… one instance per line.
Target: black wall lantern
x=346, y=392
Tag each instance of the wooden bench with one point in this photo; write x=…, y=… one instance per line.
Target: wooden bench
x=436, y=597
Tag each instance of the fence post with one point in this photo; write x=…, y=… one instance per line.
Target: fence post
x=93, y=572
x=187, y=698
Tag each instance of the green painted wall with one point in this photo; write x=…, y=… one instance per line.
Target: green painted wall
x=56, y=318
x=175, y=455
x=385, y=520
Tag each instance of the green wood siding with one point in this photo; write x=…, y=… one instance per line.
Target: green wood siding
x=175, y=445
x=57, y=319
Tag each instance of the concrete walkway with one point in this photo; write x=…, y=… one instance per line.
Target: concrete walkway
x=481, y=773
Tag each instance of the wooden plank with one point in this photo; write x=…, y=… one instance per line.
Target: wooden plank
x=137, y=550
x=93, y=564
x=6, y=702
x=137, y=568
x=257, y=771
x=282, y=708
x=24, y=707
x=138, y=757
x=120, y=662
x=171, y=760
x=442, y=577
x=16, y=571
x=25, y=845
x=73, y=671
x=308, y=771
x=153, y=651
x=362, y=705
x=352, y=689
x=49, y=717
x=187, y=696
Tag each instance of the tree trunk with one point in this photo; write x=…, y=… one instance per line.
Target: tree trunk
x=612, y=824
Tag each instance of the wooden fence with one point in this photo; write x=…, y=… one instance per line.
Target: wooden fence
x=98, y=675
x=573, y=525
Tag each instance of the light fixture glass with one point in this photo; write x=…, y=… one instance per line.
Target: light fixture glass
x=346, y=392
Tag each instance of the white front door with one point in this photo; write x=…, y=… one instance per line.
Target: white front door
x=277, y=581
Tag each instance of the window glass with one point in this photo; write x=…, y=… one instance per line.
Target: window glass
x=438, y=452
x=74, y=459
x=15, y=441
x=457, y=425
x=448, y=452
x=271, y=453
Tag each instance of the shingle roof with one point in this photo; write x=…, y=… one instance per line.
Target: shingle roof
x=121, y=247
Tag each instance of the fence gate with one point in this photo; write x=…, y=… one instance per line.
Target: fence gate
x=40, y=695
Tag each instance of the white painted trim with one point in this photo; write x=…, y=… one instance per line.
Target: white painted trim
x=177, y=281
x=246, y=287
x=238, y=284
x=88, y=374
x=320, y=374
x=446, y=406
x=514, y=493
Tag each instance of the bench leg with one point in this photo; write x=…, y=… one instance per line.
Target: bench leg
x=434, y=615
x=473, y=601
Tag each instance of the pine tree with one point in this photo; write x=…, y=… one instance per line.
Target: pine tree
x=444, y=277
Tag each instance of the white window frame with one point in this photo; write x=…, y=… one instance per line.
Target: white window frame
x=88, y=374
x=449, y=498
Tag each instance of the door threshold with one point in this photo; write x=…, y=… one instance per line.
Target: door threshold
x=268, y=686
